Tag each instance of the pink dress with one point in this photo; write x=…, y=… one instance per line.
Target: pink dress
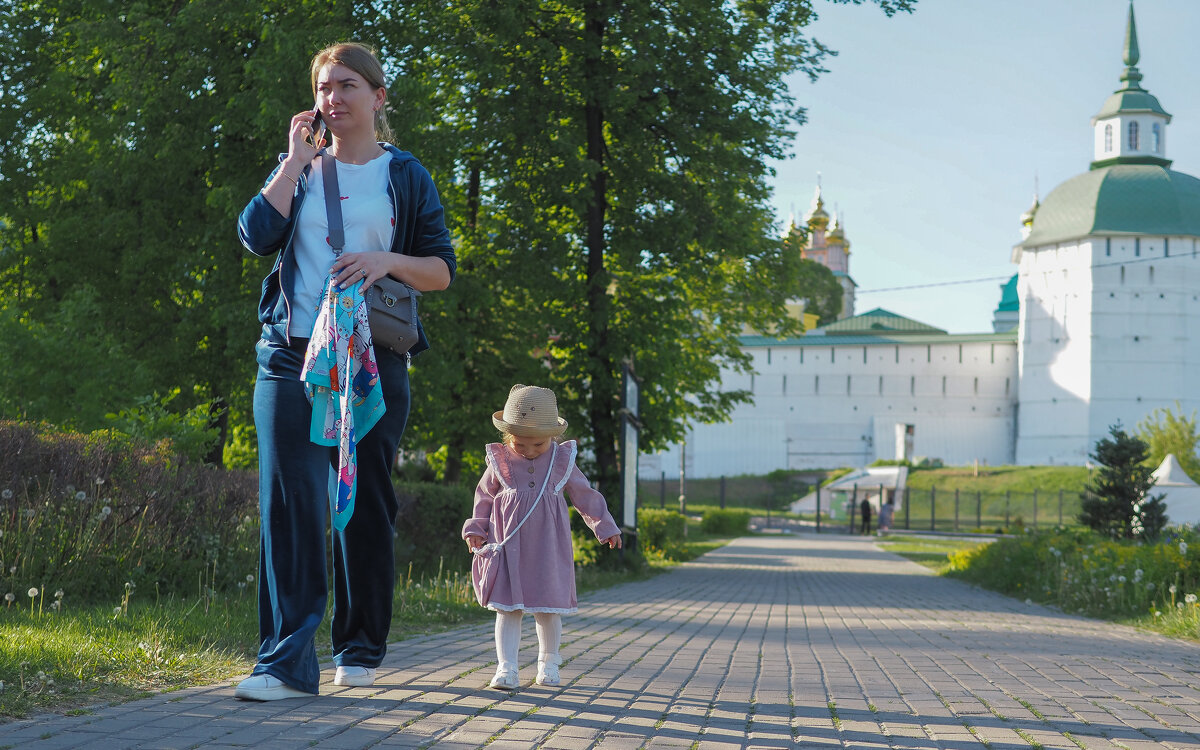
x=535, y=570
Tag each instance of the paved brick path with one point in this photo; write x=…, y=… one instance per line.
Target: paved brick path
x=771, y=642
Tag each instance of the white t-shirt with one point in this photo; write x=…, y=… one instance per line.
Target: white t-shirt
x=367, y=218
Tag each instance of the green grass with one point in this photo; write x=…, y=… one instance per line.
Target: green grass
x=80, y=656
x=99, y=653
x=931, y=552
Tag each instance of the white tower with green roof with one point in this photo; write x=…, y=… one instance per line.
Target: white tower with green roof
x=1109, y=286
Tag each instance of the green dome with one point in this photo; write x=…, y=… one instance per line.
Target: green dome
x=1131, y=101
x=1008, y=296
x=1145, y=199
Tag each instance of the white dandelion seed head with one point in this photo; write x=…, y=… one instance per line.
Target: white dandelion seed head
x=106, y=511
x=1179, y=605
x=1190, y=598
x=6, y=494
x=249, y=578
x=10, y=597
x=1172, y=588
x=59, y=594
x=81, y=496
x=1150, y=586
x=1121, y=579
x=32, y=592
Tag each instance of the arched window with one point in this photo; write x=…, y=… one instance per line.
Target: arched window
x=1108, y=138
x=1133, y=136
x=1156, y=137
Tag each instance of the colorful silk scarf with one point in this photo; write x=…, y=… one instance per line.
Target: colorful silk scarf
x=342, y=377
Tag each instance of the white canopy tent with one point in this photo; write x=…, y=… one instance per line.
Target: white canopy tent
x=1182, y=494
x=870, y=482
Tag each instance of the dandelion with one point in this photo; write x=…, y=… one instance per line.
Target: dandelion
x=70, y=489
x=116, y=612
x=106, y=511
x=249, y=578
x=9, y=598
x=1190, y=598
x=1137, y=574
x=33, y=592
x=6, y=494
x=1172, y=588
x=1029, y=601
x=12, y=571
x=54, y=605
x=1150, y=586
x=1183, y=548
x=1121, y=579
x=1157, y=613
x=99, y=480
x=81, y=496
x=1179, y=605
x=59, y=594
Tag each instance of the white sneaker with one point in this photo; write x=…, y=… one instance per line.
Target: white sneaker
x=264, y=687
x=354, y=676
x=548, y=670
x=505, y=679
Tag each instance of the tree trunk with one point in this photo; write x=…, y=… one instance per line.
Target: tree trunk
x=602, y=408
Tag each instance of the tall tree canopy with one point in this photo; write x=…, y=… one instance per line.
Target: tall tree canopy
x=604, y=166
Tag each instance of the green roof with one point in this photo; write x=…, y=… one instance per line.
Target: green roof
x=1008, y=296
x=881, y=340
x=1119, y=199
x=1131, y=101
x=878, y=321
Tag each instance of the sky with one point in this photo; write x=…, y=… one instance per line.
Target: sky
x=931, y=130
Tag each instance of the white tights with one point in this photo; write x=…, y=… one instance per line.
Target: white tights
x=508, y=636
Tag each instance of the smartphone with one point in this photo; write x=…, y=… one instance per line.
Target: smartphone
x=318, y=127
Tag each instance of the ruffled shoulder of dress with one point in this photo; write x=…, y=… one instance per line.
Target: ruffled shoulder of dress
x=564, y=461
x=496, y=455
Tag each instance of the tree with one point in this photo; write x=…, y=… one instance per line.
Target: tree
x=142, y=131
x=815, y=283
x=1169, y=432
x=613, y=156
x=1115, y=503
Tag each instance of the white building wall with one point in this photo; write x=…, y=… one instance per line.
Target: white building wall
x=1055, y=363
x=832, y=406
x=1147, y=329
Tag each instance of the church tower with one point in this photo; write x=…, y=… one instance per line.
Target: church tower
x=829, y=247
x=1109, y=285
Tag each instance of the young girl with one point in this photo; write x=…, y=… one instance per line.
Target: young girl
x=527, y=563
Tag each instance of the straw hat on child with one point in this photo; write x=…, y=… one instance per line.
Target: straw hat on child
x=530, y=411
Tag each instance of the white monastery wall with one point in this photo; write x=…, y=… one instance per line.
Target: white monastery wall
x=828, y=406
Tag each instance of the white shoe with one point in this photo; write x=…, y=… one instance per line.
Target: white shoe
x=354, y=676
x=264, y=687
x=548, y=670
x=505, y=679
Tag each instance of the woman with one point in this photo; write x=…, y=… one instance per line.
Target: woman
x=394, y=226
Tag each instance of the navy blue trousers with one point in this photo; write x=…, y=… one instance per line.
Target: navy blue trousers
x=293, y=476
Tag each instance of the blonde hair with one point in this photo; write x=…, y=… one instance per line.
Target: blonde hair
x=362, y=60
x=507, y=438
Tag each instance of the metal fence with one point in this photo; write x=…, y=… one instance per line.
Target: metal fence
x=960, y=510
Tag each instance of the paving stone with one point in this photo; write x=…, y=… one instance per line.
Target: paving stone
x=773, y=641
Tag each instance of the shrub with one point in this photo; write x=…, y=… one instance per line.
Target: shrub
x=725, y=522
x=1086, y=572
x=429, y=526
x=660, y=529
x=86, y=513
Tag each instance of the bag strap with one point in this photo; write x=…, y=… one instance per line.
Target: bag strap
x=495, y=546
x=333, y=202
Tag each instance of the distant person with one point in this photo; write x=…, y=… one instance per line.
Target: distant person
x=885, y=515
x=520, y=532
x=864, y=509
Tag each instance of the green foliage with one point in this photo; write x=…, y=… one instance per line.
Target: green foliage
x=1170, y=432
x=661, y=530
x=429, y=526
x=1088, y=573
x=1115, y=502
x=190, y=434
x=725, y=522
x=90, y=513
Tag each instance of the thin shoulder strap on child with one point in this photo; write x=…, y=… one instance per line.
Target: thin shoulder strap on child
x=491, y=547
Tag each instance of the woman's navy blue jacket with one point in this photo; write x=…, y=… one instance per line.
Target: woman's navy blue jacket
x=420, y=230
